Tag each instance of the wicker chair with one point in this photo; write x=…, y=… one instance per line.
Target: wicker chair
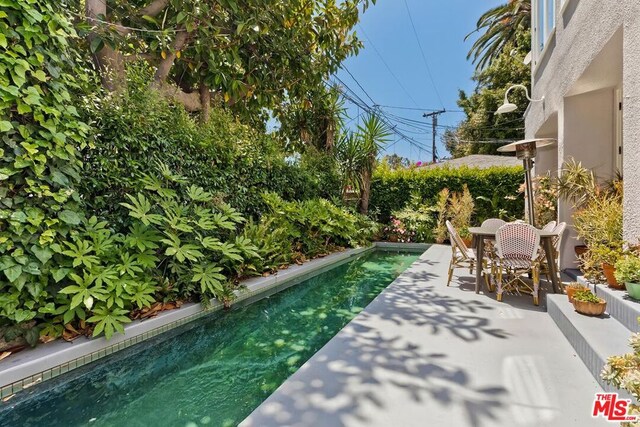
x=493, y=223
x=461, y=256
x=557, y=242
x=517, y=250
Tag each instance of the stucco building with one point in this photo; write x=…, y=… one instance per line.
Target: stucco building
x=586, y=65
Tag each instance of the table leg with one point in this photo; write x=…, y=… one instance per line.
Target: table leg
x=548, y=249
x=479, y=257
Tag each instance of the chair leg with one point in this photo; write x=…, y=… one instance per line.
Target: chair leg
x=499, y=280
x=450, y=272
x=536, y=284
x=487, y=277
x=471, y=265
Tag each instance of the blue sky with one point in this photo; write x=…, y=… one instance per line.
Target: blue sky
x=441, y=26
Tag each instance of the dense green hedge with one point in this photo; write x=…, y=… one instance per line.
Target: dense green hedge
x=136, y=130
x=392, y=189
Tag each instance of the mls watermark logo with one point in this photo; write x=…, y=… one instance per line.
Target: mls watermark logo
x=610, y=407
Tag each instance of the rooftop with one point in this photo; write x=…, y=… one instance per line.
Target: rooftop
x=482, y=161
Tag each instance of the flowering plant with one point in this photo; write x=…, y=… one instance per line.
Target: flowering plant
x=396, y=231
x=545, y=198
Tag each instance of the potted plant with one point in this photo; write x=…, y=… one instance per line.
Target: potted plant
x=628, y=272
x=573, y=287
x=580, y=250
x=597, y=217
x=466, y=237
x=607, y=256
x=585, y=302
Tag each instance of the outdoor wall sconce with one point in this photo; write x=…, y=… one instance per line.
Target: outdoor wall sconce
x=508, y=107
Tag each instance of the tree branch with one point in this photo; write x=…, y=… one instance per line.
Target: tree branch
x=190, y=101
x=164, y=67
x=154, y=8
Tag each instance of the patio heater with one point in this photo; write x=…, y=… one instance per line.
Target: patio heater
x=526, y=151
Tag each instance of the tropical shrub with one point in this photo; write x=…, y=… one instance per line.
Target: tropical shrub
x=440, y=231
x=414, y=223
x=391, y=189
x=461, y=209
x=273, y=246
x=417, y=222
x=318, y=227
x=456, y=207
x=188, y=234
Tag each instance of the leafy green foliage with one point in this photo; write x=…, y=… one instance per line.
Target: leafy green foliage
x=186, y=233
x=274, y=246
x=317, y=227
x=167, y=196
x=257, y=54
x=481, y=123
x=138, y=130
x=499, y=26
x=391, y=190
x=41, y=132
x=628, y=269
x=586, y=296
x=413, y=223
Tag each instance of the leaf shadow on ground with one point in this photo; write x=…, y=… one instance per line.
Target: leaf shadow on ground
x=368, y=363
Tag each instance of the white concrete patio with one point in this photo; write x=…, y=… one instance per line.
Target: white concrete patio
x=422, y=354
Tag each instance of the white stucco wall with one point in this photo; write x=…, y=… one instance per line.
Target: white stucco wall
x=594, y=52
x=631, y=121
x=582, y=30
x=587, y=135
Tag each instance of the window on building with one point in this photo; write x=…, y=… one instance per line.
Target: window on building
x=545, y=21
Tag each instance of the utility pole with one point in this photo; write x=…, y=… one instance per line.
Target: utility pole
x=434, y=124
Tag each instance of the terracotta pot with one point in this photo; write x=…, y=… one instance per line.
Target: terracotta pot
x=467, y=241
x=609, y=271
x=590, y=308
x=580, y=249
x=633, y=289
x=571, y=292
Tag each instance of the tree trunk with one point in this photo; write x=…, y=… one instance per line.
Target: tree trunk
x=365, y=193
x=331, y=135
x=205, y=102
x=109, y=62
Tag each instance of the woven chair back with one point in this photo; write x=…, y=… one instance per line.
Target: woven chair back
x=456, y=241
x=518, y=241
x=493, y=223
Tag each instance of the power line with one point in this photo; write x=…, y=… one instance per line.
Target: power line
x=358, y=83
x=396, y=107
x=424, y=57
x=387, y=65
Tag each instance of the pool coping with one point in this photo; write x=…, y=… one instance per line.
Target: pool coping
x=33, y=366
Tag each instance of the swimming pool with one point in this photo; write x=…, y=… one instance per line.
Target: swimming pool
x=213, y=372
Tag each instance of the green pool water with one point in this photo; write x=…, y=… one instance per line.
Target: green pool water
x=216, y=371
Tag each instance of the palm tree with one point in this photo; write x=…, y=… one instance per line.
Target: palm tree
x=500, y=25
x=357, y=153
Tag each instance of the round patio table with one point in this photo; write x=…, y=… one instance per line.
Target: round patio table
x=546, y=240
